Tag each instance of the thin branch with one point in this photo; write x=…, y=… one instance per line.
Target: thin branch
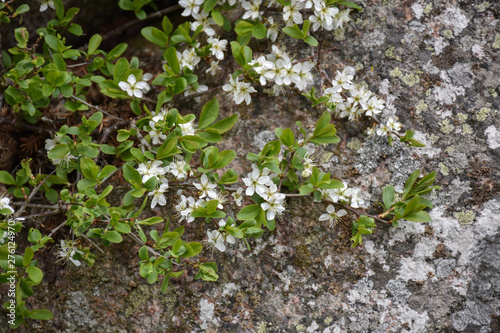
x=35, y=216
x=39, y=206
x=211, y=90
x=32, y=194
x=53, y=231
x=141, y=138
x=93, y=107
x=90, y=240
x=140, y=242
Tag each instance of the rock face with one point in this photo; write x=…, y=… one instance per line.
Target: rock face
x=437, y=63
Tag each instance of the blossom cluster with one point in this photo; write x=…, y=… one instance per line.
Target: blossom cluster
x=353, y=196
x=68, y=251
x=260, y=182
x=352, y=101
x=136, y=88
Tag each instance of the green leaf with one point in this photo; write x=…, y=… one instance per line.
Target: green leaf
x=173, y=62
x=243, y=28
x=75, y=29
x=166, y=25
x=89, y=169
x=208, y=5
x=209, y=113
x=259, y=31
x=218, y=17
x=418, y=217
x=350, y=4
x=21, y=9
x=249, y=212
x=294, y=32
x=112, y=236
x=132, y=175
x=28, y=256
x=410, y=182
x=287, y=137
x=224, y=158
x=225, y=124
x=412, y=205
x=151, y=220
x=229, y=177
x=116, y=52
x=94, y=43
x=388, y=194
x=6, y=178
x=35, y=274
x=311, y=41
x=39, y=314
x=58, y=151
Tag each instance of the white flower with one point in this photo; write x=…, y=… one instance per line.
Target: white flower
x=51, y=143
x=214, y=68
x=155, y=135
x=192, y=89
x=292, y=12
x=218, y=47
x=339, y=194
x=5, y=204
x=158, y=195
x=252, y=9
x=373, y=106
x=64, y=161
x=229, y=238
x=188, y=58
x=254, y=181
x=206, y=187
x=216, y=240
x=272, y=29
x=68, y=251
x=178, y=168
x=237, y=196
x=134, y=88
x=187, y=128
x=243, y=93
x=356, y=199
x=190, y=6
x=151, y=169
x=274, y=207
x=331, y=215
x=184, y=210
x=308, y=166
x=202, y=19
x=341, y=18
x=45, y=4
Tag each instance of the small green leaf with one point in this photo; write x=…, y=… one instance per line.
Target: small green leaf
x=58, y=151
x=209, y=113
x=418, y=217
x=388, y=194
x=35, y=274
x=39, y=314
x=173, y=62
x=6, y=178
x=249, y=212
x=94, y=43
x=225, y=124
x=294, y=31
x=259, y=31
x=311, y=41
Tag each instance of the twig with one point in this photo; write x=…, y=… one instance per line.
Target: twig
x=134, y=22
x=53, y=231
x=315, y=55
x=39, y=206
x=93, y=107
x=32, y=194
x=90, y=240
x=111, y=129
x=141, y=138
x=49, y=213
x=140, y=242
x=181, y=98
x=286, y=169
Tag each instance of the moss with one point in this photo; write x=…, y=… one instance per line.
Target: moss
x=467, y=129
x=303, y=258
x=300, y=328
x=354, y=144
x=339, y=35
x=483, y=114
x=450, y=149
x=434, y=138
x=410, y=79
x=389, y=53
x=444, y=169
x=142, y=293
x=483, y=6
x=328, y=320
x=448, y=34
x=465, y=217
x=493, y=92
x=462, y=117
x=428, y=8
x=396, y=72
x=261, y=327
x=496, y=43
x=421, y=106
x=325, y=158
x=446, y=127
x=428, y=92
